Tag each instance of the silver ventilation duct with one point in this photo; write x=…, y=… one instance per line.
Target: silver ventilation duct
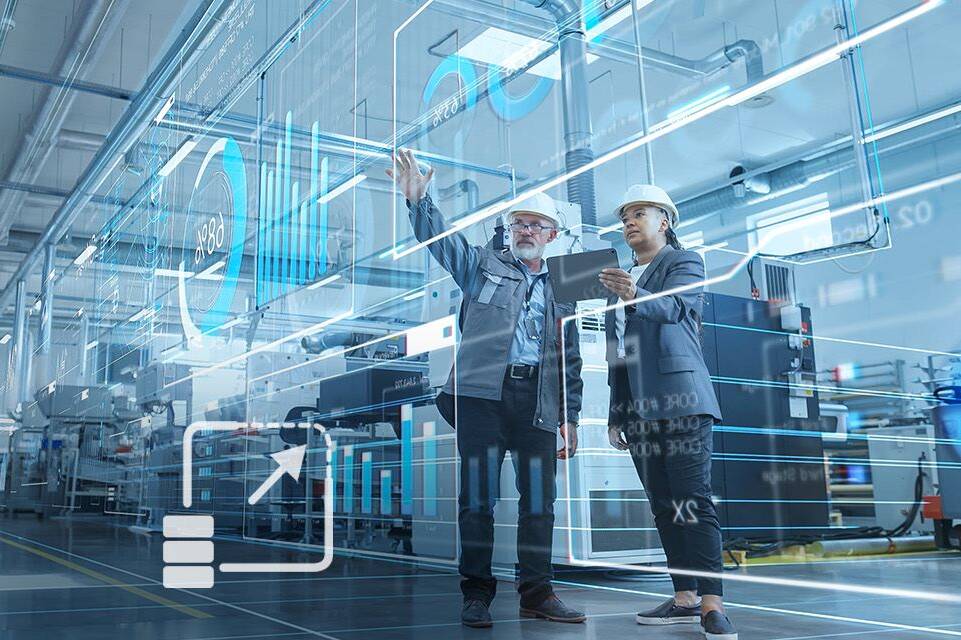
x=577, y=114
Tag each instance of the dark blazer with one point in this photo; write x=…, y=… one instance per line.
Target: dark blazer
x=665, y=366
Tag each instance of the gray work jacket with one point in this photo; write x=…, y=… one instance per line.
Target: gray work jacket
x=494, y=288
x=662, y=343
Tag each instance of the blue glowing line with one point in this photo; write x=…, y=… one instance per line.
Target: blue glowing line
x=857, y=343
x=294, y=245
x=302, y=242
x=366, y=479
x=385, y=491
x=261, y=232
x=322, y=223
x=430, y=474
x=278, y=228
x=406, y=460
x=312, y=222
x=348, y=497
x=286, y=211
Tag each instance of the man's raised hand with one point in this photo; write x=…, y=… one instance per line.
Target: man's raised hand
x=408, y=178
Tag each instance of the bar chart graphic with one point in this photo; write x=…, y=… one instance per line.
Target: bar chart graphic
x=293, y=221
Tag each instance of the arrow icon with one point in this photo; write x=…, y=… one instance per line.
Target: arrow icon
x=289, y=461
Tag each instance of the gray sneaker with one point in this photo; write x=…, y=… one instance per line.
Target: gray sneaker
x=670, y=613
x=717, y=627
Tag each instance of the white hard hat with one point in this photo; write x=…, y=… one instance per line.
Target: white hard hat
x=540, y=204
x=649, y=194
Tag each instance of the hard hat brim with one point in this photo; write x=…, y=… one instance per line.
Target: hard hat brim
x=556, y=220
x=671, y=209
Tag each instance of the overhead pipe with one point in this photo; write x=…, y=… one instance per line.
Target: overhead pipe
x=575, y=88
x=99, y=20
x=789, y=176
x=205, y=21
x=15, y=362
x=46, y=299
x=781, y=180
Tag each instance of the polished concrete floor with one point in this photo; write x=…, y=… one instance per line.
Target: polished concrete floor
x=85, y=579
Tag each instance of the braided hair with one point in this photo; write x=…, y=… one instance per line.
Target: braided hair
x=671, y=235
x=672, y=239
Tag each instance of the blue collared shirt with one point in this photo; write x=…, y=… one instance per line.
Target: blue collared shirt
x=524, y=348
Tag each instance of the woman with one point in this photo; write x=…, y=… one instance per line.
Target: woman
x=663, y=405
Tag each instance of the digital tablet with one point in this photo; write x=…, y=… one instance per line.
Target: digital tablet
x=574, y=277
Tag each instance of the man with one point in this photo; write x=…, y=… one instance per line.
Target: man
x=507, y=390
x=663, y=405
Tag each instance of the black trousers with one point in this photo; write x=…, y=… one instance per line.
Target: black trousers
x=486, y=429
x=673, y=461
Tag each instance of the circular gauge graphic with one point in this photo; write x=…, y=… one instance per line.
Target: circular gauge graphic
x=509, y=107
x=451, y=89
x=213, y=240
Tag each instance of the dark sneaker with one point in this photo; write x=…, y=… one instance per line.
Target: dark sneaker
x=718, y=627
x=554, y=610
x=476, y=614
x=670, y=613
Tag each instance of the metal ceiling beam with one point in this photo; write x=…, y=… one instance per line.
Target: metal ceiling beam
x=135, y=120
x=29, y=75
x=99, y=19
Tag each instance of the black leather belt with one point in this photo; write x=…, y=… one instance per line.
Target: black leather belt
x=521, y=371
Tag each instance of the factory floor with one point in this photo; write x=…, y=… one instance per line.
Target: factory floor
x=85, y=579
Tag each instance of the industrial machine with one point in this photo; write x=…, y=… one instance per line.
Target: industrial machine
x=24, y=474
x=165, y=394
x=898, y=456
x=87, y=462
x=768, y=472
x=945, y=508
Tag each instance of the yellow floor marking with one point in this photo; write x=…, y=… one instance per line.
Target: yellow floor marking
x=96, y=575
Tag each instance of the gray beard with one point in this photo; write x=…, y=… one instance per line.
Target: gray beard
x=528, y=252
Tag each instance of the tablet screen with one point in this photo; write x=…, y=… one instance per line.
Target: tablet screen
x=575, y=277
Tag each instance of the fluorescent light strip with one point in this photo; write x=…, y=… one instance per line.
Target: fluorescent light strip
x=165, y=108
x=325, y=281
x=173, y=273
x=414, y=296
x=911, y=124
x=778, y=79
x=350, y=184
x=85, y=255
x=178, y=157
x=5, y=339
x=90, y=345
